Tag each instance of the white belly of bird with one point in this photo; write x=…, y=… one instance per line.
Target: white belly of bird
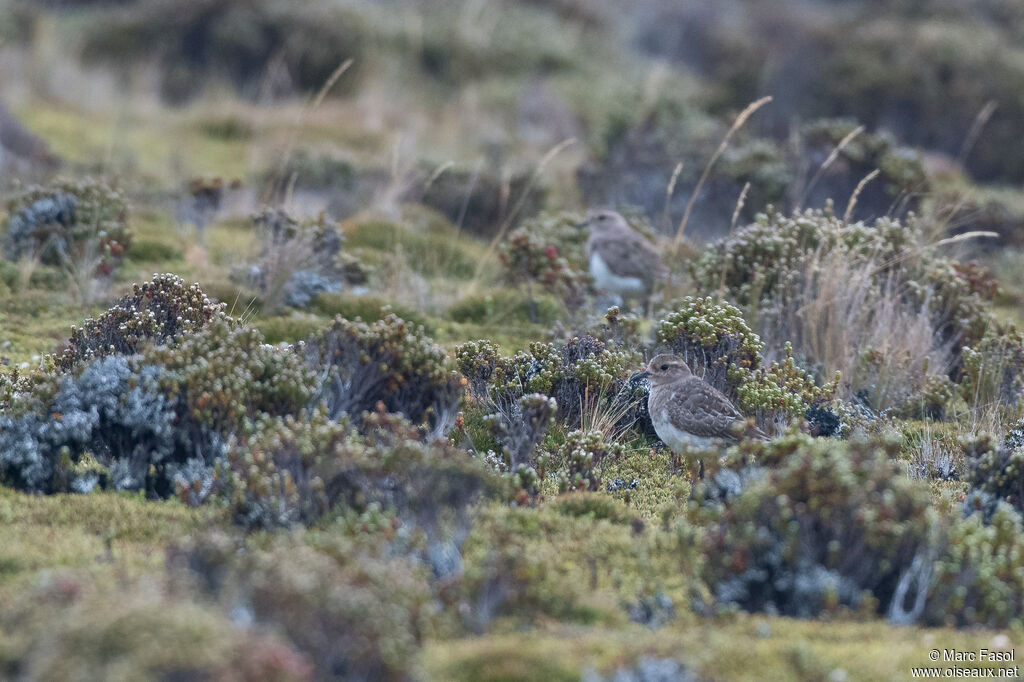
x=606, y=280
x=675, y=438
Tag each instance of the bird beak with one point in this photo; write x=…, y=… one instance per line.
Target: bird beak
x=640, y=375
x=581, y=224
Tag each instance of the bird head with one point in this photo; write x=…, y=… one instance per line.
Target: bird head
x=603, y=219
x=666, y=368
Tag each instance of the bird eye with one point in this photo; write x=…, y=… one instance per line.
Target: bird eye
x=664, y=367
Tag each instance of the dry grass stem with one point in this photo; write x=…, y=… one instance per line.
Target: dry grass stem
x=740, y=121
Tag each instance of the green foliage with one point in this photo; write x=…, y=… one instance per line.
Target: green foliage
x=583, y=456
x=518, y=431
x=766, y=263
x=828, y=524
x=156, y=421
x=436, y=250
x=390, y=361
x=977, y=580
x=597, y=506
x=713, y=339
x=367, y=308
x=782, y=390
x=156, y=312
x=837, y=289
x=901, y=171
x=529, y=41
x=153, y=251
x=515, y=566
x=477, y=361
x=473, y=200
x=291, y=470
x=70, y=225
x=719, y=346
x=222, y=377
x=993, y=369
x=531, y=258
x=581, y=371
x=320, y=172
x=298, y=260
x=997, y=470
x=506, y=306
x=765, y=260
x=288, y=329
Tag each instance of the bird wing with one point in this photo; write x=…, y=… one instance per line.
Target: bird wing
x=626, y=254
x=704, y=411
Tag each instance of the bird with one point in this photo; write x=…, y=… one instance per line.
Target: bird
x=686, y=411
x=622, y=261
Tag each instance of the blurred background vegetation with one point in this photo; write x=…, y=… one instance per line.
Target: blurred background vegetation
x=322, y=166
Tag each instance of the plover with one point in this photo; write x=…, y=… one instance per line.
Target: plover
x=622, y=261
x=687, y=412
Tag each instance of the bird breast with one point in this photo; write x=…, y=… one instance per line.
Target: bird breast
x=675, y=438
x=607, y=280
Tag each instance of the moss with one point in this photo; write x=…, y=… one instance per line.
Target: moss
x=366, y=308
x=153, y=251
x=517, y=567
x=436, y=251
x=289, y=328
x=505, y=307
x=86, y=531
x=741, y=648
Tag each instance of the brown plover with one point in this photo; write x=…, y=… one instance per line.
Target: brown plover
x=622, y=261
x=686, y=411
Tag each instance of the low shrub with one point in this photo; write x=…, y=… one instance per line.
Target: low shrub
x=993, y=369
x=838, y=291
x=714, y=339
x=531, y=260
x=523, y=428
x=390, y=361
x=583, y=457
x=155, y=312
x=977, y=581
x=515, y=565
x=433, y=249
x=578, y=374
x=827, y=524
x=153, y=251
x=997, y=470
x=157, y=421
x=369, y=309
x=505, y=307
x=298, y=470
x=80, y=227
x=479, y=202
x=298, y=260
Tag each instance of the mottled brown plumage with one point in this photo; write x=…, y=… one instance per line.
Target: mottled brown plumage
x=687, y=411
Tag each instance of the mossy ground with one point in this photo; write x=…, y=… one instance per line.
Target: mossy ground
x=428, y=270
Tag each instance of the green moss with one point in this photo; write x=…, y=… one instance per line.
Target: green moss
x=436, y=251
x=88, y=530
x=505, y=307
x=153, y=251
x=289, y=328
